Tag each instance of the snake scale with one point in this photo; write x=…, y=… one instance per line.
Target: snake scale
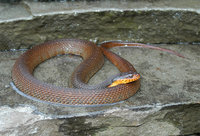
x=93, y=59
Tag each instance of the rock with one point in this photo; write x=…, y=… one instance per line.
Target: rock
x=168, y=100
x=32, y=23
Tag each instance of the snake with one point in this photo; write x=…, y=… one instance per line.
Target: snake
x=81, y=94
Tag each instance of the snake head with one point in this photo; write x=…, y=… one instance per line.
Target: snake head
x=125, y=78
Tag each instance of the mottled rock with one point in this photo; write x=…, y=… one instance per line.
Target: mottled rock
x=168, y=100
x=166, y=104
x=147, y=22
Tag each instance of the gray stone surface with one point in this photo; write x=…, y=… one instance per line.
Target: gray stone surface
x=166, y=104
x=168, y=100
x=29, y=23
x=12, y=12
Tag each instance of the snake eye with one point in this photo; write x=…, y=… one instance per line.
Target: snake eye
x=125, y=78
x=126, y=75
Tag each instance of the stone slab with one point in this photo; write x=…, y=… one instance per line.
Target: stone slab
x=29, y=23
x=167, y=100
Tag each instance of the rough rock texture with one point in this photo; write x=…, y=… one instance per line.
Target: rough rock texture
x=168, y=100
x=31, y=23
x=166, y=104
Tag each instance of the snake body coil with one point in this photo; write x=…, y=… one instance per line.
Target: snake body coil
x=93, y=60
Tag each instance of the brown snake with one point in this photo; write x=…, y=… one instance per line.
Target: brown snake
x=93, y=60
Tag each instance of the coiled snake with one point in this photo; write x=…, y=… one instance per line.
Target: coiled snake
x=93, y=60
